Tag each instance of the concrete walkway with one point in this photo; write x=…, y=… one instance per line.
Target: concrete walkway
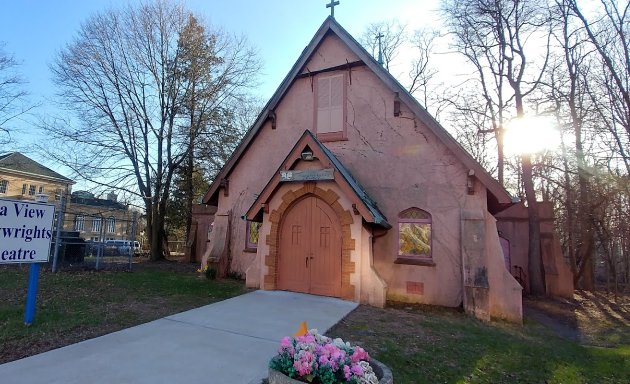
x=227, y=342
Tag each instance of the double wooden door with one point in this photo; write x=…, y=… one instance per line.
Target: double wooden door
x=310, y=249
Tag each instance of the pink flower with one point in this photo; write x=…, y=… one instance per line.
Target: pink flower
x=304, y=363
x=346, y=372
x=307, y=339
x=308, y=352
x=358, y=355
x=356, y=370
x=286, y=345
x=286, y=342
x=338, y=355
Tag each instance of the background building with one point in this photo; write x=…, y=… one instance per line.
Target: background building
x=99, y=219
x=22, y=178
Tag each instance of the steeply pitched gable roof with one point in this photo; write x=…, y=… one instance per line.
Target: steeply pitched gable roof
x=330, y=25
x=18, y=163
x=364, y=203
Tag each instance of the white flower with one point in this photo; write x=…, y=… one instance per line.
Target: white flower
x=369, y=377
x=341, y=344
x=320, y=339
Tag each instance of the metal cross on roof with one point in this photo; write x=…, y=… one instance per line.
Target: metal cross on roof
x=380, y=48
x=331, y=5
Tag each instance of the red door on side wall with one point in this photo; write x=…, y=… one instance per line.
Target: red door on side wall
x=310, y=249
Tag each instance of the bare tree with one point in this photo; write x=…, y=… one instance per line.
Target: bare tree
x=567, y=88
x=468, y=115
x=393, y=37
x=124, y=77
x=493, y=35
x=477, y=40
x=12, y=95
x=609, y=34
x=422, y=73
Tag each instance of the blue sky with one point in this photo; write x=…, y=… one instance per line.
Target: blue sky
x=34, y=31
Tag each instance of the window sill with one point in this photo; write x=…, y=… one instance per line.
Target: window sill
x=415, y=261
x=250, y=250
x=332, y=136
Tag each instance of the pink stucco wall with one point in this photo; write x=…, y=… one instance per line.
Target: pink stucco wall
x=400, y=163
x=513, y=225
x=203, y=217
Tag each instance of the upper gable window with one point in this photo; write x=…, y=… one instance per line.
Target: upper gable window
x=330, y=105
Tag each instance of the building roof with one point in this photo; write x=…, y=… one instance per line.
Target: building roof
x=498, y=196
x=379, y=217
x=18, y=163
x=366, y=206
x=83, y=198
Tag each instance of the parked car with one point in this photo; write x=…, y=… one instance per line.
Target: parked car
x=120, y=247
x=136, y=247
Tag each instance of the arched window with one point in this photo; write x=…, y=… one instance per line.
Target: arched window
x=78, y=223
x=97, y=222
x=110, y=225
x=414, y=234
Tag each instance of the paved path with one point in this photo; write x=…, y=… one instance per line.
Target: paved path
x=227, y=342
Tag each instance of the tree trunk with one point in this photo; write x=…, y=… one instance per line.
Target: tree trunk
x=586, y=274
x=190, y=162
x=586, y=232
x=568, y=207
x=157, y=246
x=500, y=156
x=535, y=267
x=189, y=190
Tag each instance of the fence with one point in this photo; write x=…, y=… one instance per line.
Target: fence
x=101, y=239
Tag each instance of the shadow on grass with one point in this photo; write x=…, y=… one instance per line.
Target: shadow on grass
x=448, y=347
x=74, y=306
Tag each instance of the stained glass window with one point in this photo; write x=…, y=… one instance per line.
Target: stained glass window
x=414, y=233
x=253, y=232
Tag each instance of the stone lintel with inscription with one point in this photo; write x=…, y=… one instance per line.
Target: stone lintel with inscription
x=307, y=175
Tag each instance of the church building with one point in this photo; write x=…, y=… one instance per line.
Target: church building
x=346, y=187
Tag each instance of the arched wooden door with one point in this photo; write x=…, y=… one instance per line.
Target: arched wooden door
x=310, y=249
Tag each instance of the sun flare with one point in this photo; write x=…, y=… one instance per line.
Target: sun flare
x=530, y=135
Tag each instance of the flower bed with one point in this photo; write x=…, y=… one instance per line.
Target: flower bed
x=314, y=358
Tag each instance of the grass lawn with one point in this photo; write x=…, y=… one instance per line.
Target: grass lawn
x=435, y=345
x=74, y=306
x=421, y=344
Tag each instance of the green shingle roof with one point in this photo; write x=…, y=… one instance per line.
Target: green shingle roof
x=17, y=162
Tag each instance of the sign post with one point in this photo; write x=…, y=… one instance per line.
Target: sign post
x=25, y=236
x=31, y=294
